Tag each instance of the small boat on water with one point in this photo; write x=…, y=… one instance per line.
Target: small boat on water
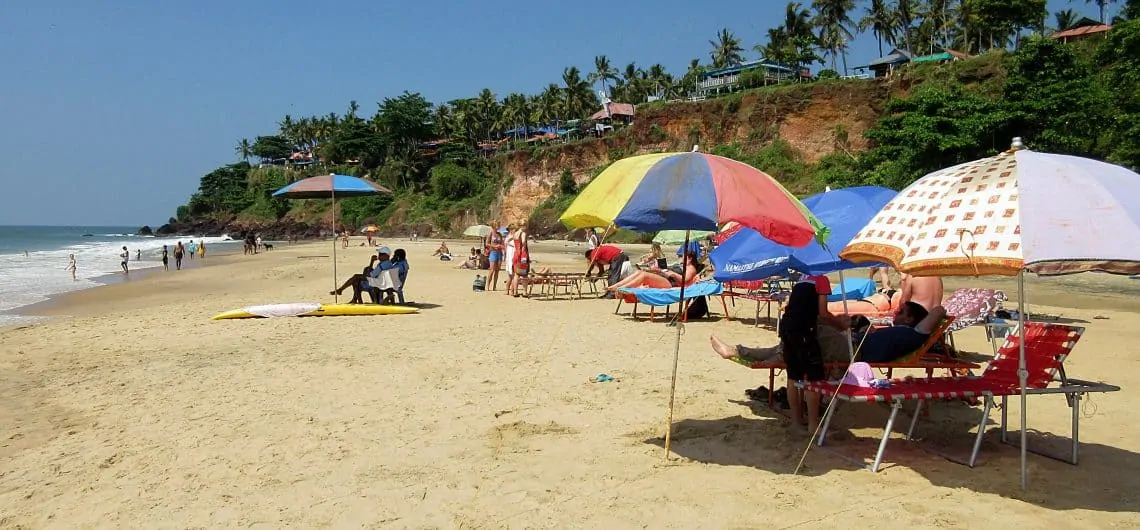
x=88, y=235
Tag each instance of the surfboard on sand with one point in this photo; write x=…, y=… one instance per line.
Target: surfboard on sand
x=313, y=309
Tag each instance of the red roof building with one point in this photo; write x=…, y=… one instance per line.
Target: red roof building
x=1082, y=32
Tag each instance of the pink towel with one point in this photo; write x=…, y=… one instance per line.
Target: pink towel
x=859, y=374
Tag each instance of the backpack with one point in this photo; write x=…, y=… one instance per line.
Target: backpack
x=480, y=283
x=698, y=308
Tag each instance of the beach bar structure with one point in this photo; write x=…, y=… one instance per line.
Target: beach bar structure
x=728, y=79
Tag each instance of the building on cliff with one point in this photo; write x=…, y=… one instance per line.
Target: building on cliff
x=1085, y=28
x=714, y=82
x=886, y=65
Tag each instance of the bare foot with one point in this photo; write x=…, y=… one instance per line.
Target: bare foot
x=722, y=348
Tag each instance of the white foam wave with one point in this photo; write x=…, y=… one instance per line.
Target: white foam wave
x=26, y=280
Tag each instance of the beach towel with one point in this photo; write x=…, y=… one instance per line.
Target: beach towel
x=282, y=310
x=856, y=289
x=662, y=297
x=970, y=306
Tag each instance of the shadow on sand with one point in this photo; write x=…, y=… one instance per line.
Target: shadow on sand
x=1103, y=481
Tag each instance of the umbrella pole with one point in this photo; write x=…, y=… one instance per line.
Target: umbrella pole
x=1022, y=374
x=677, y=348
x=336, y=298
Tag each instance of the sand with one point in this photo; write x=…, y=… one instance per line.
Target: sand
x=131, y=408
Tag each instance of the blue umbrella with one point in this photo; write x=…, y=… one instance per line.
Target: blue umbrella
x=330, y=186
x=747, y=255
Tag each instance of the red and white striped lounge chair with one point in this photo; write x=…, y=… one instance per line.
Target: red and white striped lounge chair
x=1046, y=347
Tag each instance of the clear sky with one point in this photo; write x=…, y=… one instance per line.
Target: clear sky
x=110, y=111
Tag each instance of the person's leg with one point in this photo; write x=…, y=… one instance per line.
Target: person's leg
x=795, y=402
x=493, y=275
x=400, y=295
x=357, y=293
x=353, y=282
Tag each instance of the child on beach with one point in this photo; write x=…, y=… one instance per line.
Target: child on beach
x=71, y=266
x=165, y=259
x=126, y=256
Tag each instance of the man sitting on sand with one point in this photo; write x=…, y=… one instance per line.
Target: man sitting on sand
x=443, y=252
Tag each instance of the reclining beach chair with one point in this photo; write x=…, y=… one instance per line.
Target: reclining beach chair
x=764, y=293
x=654, y=298
x=932, y=355
x=1046, y=347
x=972, y=306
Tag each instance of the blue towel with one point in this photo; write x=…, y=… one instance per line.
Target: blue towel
x=856, y=288
x=663, y=297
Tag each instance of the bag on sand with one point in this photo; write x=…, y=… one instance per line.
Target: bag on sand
x=698, y=308
x=480, y=283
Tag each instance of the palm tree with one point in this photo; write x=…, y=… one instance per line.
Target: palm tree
x=659, y=80
x=880, y=19
x=904, y=17
x=603, y=71
x=797, y=21
x=726, y=50
x=834, y=27
x=1101, y=5
x=578, y=99
x=244, y=149
x=1065, y=19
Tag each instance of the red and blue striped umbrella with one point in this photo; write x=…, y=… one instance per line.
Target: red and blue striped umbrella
x=698, y=191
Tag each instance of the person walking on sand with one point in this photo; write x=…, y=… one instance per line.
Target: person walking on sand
x=71, y=266
x=202, y=249
x=192, y=249
x=165, y=259
x=125, y=255
x=178, y=251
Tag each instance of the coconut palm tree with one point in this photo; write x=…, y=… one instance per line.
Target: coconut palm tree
x=727, y=50
x=603, y=72
x=1102, y=5
x=880, y=19
x=1065, y=19
x=834, y=27
x=578, y=99
x=244, y=149
x=904, y=18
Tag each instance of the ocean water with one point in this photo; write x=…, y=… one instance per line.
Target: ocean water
x=33, y=258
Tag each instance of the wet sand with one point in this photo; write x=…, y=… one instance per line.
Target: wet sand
x=131, y=408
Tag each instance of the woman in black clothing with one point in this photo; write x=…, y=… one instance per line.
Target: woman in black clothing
x=801, y=349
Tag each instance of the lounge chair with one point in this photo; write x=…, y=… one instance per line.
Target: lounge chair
x=654, y=297
x=932, y=355
x=386, y=282
x=764, y=293
x=971, y=306
x=1046, y=347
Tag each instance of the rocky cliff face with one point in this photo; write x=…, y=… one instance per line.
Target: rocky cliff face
x=811, y=118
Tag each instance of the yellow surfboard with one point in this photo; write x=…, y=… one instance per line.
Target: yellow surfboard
x=313, y=309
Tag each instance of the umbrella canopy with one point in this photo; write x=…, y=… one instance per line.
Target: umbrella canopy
x=325, y=186
x=1004, y=215
x=677, y=237
x=1020, y=210
x=478, y=231
x=747, y=255
x=697, y=191
x=370, y=228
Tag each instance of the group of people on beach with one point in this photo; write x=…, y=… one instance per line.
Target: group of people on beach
x=508, y=248
x=125, y=257
x=390, y=292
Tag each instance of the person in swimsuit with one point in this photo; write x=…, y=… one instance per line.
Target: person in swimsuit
x=178, y=250
x=519, y=268
x=494, y=257
x=165, y=259
x=202, y=249
x=925, y=291
x=662, y=279
x=71, y=266
x=125, y=256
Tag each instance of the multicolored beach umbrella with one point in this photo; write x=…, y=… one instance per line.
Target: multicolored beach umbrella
x=328, y=186
x=692, y=191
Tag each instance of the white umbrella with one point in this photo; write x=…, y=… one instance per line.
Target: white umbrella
x=1018, y=211
x=478, y=231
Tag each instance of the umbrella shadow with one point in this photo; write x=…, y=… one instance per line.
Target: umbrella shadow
x=1103, y=481
x=422, y=305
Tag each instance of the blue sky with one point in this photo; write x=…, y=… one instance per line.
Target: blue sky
x=111, y=111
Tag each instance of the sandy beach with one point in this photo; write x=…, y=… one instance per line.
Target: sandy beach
x=130, y=408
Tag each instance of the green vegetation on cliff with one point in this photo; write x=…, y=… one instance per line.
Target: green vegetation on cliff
x=1081, y=98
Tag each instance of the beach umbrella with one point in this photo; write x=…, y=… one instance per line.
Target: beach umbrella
x=330, y=186
x=1017, y=212
x=370, y=228
x=691, y=191
x=677, y=237
x=478, y=231
x=747, y=255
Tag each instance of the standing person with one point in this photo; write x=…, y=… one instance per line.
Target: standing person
x=138, y=255
x=509, y=249
x=192, y=249
x=494, y=258
x=521, y=265
x=257, y=244
x=71, y=266
x=178, y=250
x=592, y=240
x=400, y=263
x=806, y=308
x=344, y=239
x=165, y=259
x=202, y=249
x=125, y=256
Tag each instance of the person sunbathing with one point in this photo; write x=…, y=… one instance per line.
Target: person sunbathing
x=472, y=262
x=878, y=303
x=664, y=278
